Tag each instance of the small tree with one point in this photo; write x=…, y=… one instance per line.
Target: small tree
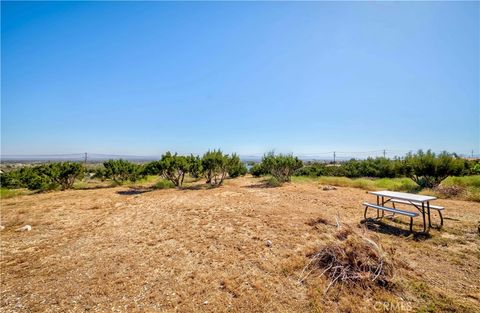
x=257, y=170
x=122, y=170
x=63, y=173
x=428, y=170
x=215, y=166
x=281, y=166
x=195, y=166
x=236, y=167
x=174, y=167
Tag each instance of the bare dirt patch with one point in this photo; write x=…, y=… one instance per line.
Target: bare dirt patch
x=115, y=249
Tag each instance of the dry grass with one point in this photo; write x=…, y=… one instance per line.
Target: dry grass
x=204, y=250
x=354, y=259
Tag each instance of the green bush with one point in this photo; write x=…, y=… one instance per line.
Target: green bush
x=335, y=170
x=153, y=168
x=12, y=179
x=173, y=167
x=273, y=182
x=371, y=167
x=429, y=170
x=43, y=177
x=236, y=167
x=385, y=168
x=312, y=170
x=34, y=178
x=164, y=184
x=195, y=166
x=121, y=171
x=100, y=173
x=63, y=173
x=476, y=169
x=257, y=170
x=281, y=166
x=215, y=166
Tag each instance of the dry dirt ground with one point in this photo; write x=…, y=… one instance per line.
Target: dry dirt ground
x=205, y=250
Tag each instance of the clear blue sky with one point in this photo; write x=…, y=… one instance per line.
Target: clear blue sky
x=143, y=78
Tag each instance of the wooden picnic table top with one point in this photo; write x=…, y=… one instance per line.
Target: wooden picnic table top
x=402, y=196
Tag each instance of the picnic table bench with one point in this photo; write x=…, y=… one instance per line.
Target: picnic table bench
x=420, y=202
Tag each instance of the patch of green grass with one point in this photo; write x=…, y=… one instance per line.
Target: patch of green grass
x=146, y=180
x=80, y=184
x=472, y=194
x=470, y=183
x=164, y=184
x=465, y=181
x=273, y=182
x=10, y=193
x=396, y=184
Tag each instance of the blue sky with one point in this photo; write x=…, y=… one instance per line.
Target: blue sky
x=143, y=78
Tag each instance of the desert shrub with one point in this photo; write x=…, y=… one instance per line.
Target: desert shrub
x=153, y=168
x=11, y=179
x=195, y=166
x=335, y=170
x=273, y=182
x=172, y=167
x=121, y=171
x=281, y=166
x=352, y=259
x=351, y=168
x=236, y=167
x=429, y=170
x=63, y=173
x=312, y=170
x=33, y=178
x=371, y=167
x=100, y=173
x=257, y=170
x=164, y=184
x=215, y=166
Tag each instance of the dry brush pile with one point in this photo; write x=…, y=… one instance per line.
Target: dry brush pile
x=352, y=258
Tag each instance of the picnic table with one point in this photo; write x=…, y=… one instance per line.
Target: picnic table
x=420, y=202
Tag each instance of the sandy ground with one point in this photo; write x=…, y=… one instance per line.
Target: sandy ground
x=124, y=250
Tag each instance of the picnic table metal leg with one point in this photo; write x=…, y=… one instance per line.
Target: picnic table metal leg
x=428, y=212
x=411, y=224
x=393, y=204
x=378, y=203
x=423, y=215
x=383, y=204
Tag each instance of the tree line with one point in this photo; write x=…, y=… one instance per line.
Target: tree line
x=214, y=166
x=427, y=169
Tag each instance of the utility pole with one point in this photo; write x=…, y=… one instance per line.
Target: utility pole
x=472, y=154
x=384, y=153
x=334, y=155
x=85, y=159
